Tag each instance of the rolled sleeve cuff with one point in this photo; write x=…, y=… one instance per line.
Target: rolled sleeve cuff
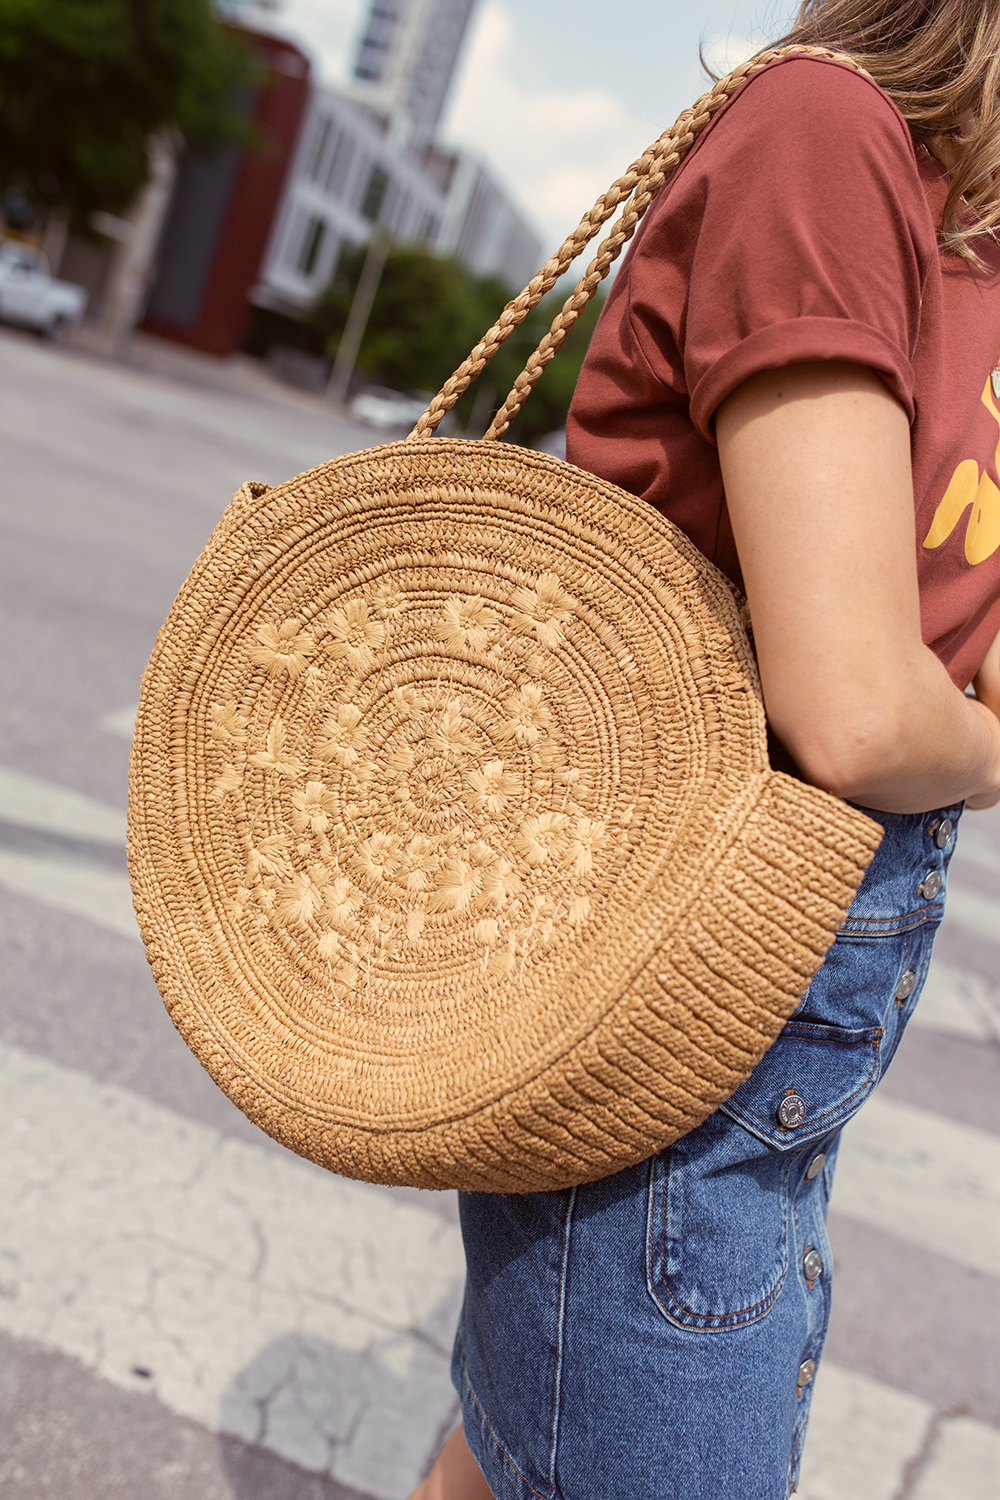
x=795, y=342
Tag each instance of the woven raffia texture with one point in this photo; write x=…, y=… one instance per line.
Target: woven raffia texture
x=452, y=834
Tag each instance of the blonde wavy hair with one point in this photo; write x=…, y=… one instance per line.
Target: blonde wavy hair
x=939, y=62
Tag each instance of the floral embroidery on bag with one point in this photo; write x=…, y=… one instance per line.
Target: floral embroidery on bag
x=435, y=810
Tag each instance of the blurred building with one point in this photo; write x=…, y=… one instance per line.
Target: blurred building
x=265, y=226
x=357, y=171
x=222, y=211
x=407, y=55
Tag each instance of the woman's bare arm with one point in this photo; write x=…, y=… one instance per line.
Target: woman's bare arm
x=987, y=685
x=816, y=465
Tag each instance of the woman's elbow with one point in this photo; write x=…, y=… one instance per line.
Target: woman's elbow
x=847, y=754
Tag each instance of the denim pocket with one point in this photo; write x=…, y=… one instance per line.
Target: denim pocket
x=729, y=1201
x=829, y=1069
x=718, y=1229
x=721, y=1198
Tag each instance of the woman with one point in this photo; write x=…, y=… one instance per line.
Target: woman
x=797, y=364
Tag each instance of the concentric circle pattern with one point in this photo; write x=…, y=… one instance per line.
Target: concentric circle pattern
x=450, y=762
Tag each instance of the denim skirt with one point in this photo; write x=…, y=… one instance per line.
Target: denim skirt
x=655, y=1335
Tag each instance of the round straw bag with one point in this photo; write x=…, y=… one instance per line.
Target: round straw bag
x=453, y=838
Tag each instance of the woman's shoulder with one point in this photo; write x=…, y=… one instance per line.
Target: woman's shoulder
x=822, y=102
x=809, y=137
x=808, y=82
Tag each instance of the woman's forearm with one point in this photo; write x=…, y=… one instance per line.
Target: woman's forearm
x=816, y=465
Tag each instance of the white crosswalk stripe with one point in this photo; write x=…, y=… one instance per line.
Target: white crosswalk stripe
x=121, y=722
x=863, y=1435
x=964, y=1463
x=925, y=1179
x=956, y=1002
x=238, y=1279
x=959, y=1003
x=312, y=1316
x=30, y=802
x=978, y=914
x=886, y=1430
x=977, y=849
x=74, y=886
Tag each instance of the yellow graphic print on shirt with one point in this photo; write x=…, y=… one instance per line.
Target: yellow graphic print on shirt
x=968, y=487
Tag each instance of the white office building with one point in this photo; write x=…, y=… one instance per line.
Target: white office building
x=357, y=172
x=407, y=55
x=367, y=161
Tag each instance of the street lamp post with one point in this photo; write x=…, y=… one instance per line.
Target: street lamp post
x=357, y=318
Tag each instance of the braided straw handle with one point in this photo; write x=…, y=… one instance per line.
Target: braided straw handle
x=639, y=186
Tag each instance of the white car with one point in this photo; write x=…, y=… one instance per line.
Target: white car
x=30, y=294
x=387, y=409
x=552, y=442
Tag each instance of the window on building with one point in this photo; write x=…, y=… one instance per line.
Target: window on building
x=400, y=213
x=429, y=227
x=340, y=164
x=320, y=140
x=376, y=42
x=374, y=194
x=312, y=240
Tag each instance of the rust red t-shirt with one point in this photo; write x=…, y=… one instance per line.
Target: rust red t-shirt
x=801, y=226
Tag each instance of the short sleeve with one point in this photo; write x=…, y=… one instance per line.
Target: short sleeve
x=797, y=229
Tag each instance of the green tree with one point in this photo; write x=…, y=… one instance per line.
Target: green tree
x=422, y=323
x=548, y=404
x=429, y=312
x=84, y=83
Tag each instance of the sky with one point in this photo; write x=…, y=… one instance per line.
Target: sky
x=557, y=97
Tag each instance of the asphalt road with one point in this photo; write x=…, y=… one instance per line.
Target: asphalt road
x=186, y=1310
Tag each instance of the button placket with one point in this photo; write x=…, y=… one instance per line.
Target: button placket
x=941, y=832
x=816, y=1166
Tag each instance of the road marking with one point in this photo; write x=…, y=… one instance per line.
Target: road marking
x=83, y=890
x=960, y=1003
x=121, y=722
x=965, y=1462
x=975, y=848
x=269, y=1300
x=925, y=1179
x=861, y=1436
x=954, y=1001
x=301, y=1312
x=31, y=802
x=972, y=910
x=915, y=1174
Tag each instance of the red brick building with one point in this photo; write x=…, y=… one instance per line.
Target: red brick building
x=222, y=209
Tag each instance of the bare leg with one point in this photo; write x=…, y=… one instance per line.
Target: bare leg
x=455, y=1475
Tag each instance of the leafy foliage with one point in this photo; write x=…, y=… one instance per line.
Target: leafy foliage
x=422, y=322
x=548, y=404
x=429, y=312
x=84, y=83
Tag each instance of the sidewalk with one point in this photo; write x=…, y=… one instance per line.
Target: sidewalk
x=237, y=374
